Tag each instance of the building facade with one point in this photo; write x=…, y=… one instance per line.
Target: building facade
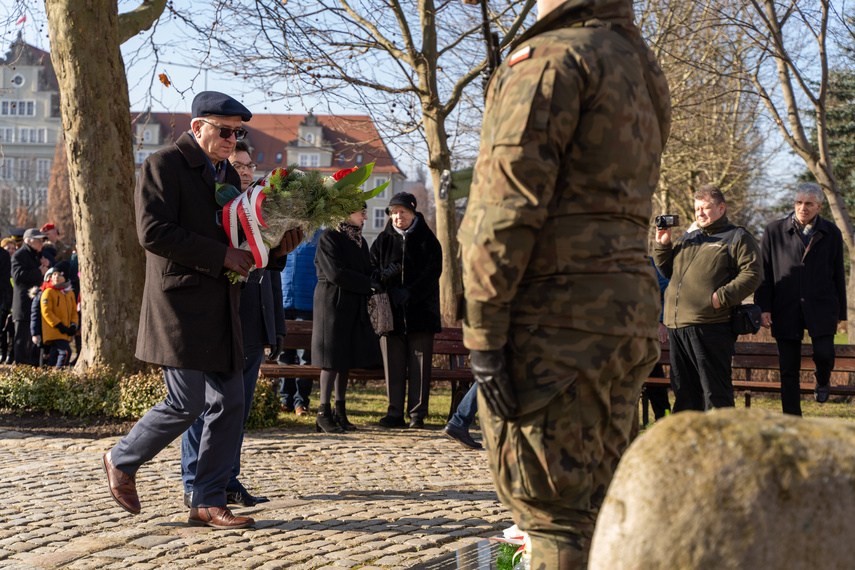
x=318, y=142
x=30, y=129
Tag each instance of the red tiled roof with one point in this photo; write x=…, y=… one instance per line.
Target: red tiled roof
x=348, y=135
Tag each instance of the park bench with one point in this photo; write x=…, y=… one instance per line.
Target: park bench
x=447, y=344
x=756, y=356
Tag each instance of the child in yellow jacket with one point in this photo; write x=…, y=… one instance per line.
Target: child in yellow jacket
x=59, y=315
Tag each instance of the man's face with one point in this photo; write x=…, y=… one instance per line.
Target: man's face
x=52, y=235
x=208, y=136
x=707, y=211
x=401, y=217
x=243, y=164
x=35, y=243
x=806, y=207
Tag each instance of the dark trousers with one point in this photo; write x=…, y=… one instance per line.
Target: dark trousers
x=24, y=347
x=192, y=438
x=789, y=364
x=407, y=363
x=701, y=366
x=189, y=393
x=60, y=351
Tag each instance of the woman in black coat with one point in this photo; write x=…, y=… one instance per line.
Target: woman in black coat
x=342, y=336
x=408, y=242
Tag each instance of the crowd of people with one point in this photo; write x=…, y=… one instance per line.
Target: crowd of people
x=39, y=298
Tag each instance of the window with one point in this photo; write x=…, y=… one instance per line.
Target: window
x=310, y=138
x=359, y=158
x=18, y=80
x=379, y=220
x=311, y=159
x=260, y=157
x=146, y=136
x=24, y=172
x=43, y=169
x=142, y=155
x=27, y=108
x=7, y=135
x=33, y=136
x=7, y=169
x=378, y=180
x=278, y=158
x=340, y=159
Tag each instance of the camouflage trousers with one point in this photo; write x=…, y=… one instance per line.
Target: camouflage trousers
x=553, y=465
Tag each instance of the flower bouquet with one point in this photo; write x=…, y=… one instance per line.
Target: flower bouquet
x=288, y=199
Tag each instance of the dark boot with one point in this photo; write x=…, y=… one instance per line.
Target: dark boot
x=340, y=417
x=325, y=422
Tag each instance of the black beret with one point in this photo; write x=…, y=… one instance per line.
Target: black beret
x=404, y=199
x=216, y=103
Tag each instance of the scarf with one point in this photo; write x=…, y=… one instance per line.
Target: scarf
x=354, y=233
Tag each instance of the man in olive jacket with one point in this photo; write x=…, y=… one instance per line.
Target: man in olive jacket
x=189, y=320
x=712, y=270
x=804, y=287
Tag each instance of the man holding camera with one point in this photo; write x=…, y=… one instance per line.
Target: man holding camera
x=712, y=269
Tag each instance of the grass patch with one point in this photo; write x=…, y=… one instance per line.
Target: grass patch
x=367, y=403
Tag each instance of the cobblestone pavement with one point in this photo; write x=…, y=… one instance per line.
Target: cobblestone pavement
x=373, y=499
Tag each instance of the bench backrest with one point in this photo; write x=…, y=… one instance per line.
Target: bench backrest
x=764, y=356
x=448, y=341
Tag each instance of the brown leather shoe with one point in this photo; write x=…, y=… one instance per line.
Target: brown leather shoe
x=217, y=517
x=123, y=487
x=301, y=411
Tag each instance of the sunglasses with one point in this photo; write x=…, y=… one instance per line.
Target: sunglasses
x=226, y=132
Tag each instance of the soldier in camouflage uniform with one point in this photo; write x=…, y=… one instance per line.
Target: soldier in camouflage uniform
x=561, y=299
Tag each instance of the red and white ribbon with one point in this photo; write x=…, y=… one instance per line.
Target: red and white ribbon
x=246, y=210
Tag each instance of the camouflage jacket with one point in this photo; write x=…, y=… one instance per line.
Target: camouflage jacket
x=555, y=233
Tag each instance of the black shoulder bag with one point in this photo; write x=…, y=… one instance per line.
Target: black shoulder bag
x=745, y=318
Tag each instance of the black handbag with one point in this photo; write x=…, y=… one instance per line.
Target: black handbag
x=745, y=319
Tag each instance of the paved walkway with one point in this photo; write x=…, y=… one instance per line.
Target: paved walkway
x=374, y=499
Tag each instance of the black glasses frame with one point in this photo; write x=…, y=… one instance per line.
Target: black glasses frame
x=226, y=132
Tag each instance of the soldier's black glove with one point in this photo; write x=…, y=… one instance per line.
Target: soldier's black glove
x=391, y=271
x=275, y=351
x=64, y=329
x=399, y=296
x=491, y=372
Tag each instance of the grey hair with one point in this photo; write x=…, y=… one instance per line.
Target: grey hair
x=812, y=189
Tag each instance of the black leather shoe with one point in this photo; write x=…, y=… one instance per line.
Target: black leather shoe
x=461, y=436
x=188, y=500
x=240, y=496
x=821, y=393
x=417, y=423
x=390, y=422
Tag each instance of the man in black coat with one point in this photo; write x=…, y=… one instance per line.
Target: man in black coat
x=189, y=320
x=28, y=270
x=803, y=287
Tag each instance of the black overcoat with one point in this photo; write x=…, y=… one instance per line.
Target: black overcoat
x=190, y=311
x=420, y=256
x=342, y=336
x=26, y=274
x=811, y=277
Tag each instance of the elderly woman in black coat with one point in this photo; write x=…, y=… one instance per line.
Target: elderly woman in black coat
x=342, y=336
x=408, y=242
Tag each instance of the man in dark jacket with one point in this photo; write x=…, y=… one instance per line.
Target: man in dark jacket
x=189, y=320
x=408, y=244
x=712, y=270
x=28, y=270
x=804, y=287
x=263, y=324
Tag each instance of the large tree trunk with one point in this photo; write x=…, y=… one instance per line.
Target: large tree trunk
x=85, y=42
